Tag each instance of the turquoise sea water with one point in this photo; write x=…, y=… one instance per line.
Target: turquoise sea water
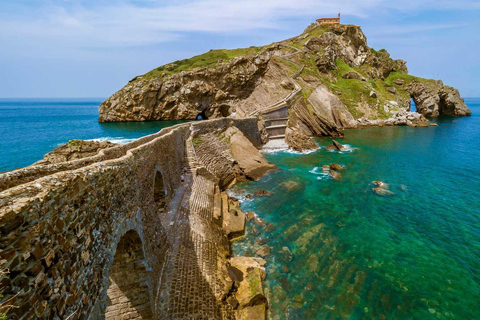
x=357, y=255
x=29, y=128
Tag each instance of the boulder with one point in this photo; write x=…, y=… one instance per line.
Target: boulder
x=336, y=166
x=383, y=192
x=381, y=184
x=297, y=140
x=392, y=90
x=249, y=159
x=250, y=298
x=352, y=75
x=335, y=146
x=259, y=221
x=262, y=193
x=261, y=240
x=399, y=82
x=373, y=94
x=233, y=218
x=264, y=251
x=335, y=175
x=250, y=215
x=287, y=254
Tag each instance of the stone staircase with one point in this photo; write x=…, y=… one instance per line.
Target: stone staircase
x=191, y=161
x=276, y=115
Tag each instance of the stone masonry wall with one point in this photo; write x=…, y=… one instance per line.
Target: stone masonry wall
x=59, y=234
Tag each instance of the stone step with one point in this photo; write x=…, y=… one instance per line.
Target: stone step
x=280, y=136
x=276, y=126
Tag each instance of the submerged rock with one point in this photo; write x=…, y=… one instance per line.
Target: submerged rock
x=287, y=254
x=270, y=227
x=262, y=193
x=383, y=192
x=259, y=221
x=290, y=185
x=264, y=251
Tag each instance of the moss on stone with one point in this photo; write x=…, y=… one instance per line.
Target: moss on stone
x=197, y=141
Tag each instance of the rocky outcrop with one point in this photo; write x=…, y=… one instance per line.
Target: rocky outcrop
x=231, y=156
x=297, y=140
x=74, y=149
x=328, y=105
x=250, y=298
x=210, y=92
x=433, y=99
x=332, y=80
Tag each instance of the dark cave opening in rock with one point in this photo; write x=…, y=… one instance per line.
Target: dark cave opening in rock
x=128, y=293
x=201, y=116
x=225, y=110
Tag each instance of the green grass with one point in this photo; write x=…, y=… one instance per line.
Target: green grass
x=197, y=141
x=352, y=91
x=208, y=59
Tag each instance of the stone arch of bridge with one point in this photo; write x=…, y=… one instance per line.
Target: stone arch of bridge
x=128, y=294
x=160, y=190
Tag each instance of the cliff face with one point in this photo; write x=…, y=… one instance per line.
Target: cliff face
x=341, y=80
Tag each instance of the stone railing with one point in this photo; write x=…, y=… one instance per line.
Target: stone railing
x=60, y=233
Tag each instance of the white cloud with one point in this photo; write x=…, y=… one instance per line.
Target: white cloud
x=131, y=23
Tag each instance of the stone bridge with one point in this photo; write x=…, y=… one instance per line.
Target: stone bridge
x=117, y=235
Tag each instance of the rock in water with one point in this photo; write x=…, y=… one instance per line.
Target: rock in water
x=336, y=166
x=250, y=215
x=287, y=254
x=290, y=185
x=335, y=175
x=383, y=192
x=335, y=146
x=259, y=221
x=264, y=251
x=433, y=99
x=261, y=193
x=381, y=184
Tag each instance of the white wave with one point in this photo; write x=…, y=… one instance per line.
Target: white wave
x=315, y=170
x=290, y=151
x=321, y=175
x=347, y=149
x=118, y=140
x=239, y=194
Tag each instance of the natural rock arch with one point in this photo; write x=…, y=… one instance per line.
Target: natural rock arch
x=159, y=191
x=128, y=294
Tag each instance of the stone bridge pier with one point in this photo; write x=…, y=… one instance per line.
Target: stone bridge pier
x=121, y=238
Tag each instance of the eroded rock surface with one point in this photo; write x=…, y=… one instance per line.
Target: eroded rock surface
x=435, y=99
x=74, y=149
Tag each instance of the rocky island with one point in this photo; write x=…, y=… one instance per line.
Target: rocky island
x=143, y=230
x=328, y=78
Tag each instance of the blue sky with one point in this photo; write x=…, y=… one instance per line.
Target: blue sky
x=66, y=48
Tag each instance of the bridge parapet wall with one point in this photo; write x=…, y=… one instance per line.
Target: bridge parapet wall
x=59, y=233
